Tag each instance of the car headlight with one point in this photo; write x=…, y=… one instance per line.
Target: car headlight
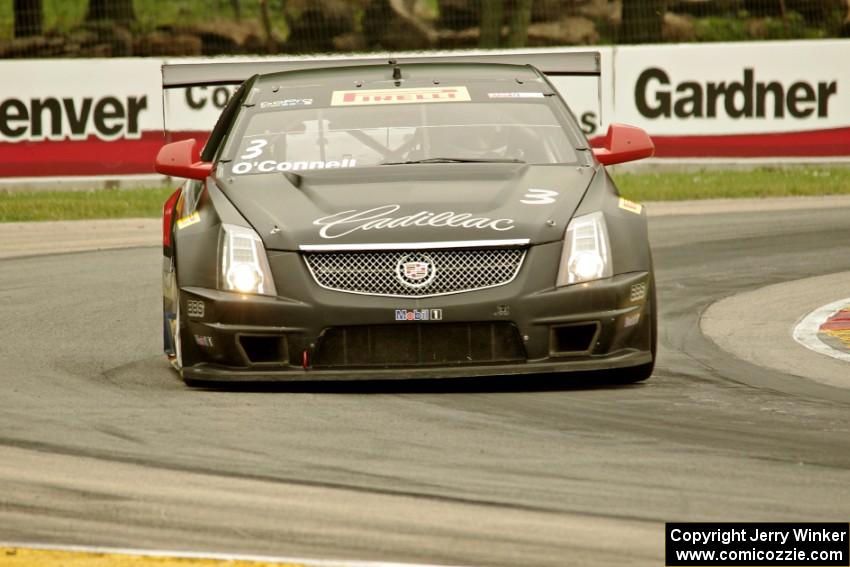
x=587, y=251
x=244, y=264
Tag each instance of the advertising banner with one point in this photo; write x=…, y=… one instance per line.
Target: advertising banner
x=79, y=117
x=764, y=99
x=89, y=117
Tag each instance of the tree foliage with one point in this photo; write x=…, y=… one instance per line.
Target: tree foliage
x=642, y=21
x=495, y=14
x=29, y=17
x=120, y=11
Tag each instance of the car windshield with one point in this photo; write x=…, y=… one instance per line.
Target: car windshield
x=307, y=137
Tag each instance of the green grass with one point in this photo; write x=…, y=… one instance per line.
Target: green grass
x=111, y=203
x=72, y=205
x=718, y=184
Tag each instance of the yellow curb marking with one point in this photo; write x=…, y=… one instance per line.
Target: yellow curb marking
x=842, y=335
x=22, y=557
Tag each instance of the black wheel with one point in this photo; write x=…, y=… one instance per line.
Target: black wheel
x=177, y=363
x=174, y=321
x=173, y=317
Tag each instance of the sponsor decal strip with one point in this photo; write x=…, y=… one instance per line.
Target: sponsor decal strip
x=286, y=103
x=418, y=314
x=516, y=95
x=194, y=218
x=400, y=96
x=268, y=166
x=204, y=341
x=630, y=206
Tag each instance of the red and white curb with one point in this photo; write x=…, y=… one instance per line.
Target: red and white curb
x=807, y=331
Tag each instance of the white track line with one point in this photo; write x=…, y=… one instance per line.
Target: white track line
x=806, y=331
x=210, y=556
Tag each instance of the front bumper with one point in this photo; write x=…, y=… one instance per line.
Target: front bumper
x=223, y=329
x=213, y=373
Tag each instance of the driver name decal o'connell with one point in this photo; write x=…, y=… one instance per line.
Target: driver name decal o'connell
x=346, y=222
x=400, y=96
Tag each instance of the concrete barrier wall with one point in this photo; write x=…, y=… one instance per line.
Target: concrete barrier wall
x=103, y=119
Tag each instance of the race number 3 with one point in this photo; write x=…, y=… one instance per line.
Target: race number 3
x=255, y=149
x=539, y=197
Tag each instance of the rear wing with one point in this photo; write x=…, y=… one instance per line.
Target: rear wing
x=552, y=63
x=195, y=93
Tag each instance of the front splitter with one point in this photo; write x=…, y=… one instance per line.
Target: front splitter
x=211, y=373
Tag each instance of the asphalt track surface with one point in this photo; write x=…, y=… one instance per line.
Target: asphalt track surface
x=100, y=444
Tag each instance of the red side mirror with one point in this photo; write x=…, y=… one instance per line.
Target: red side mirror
x=624, y=143
x=182, y=159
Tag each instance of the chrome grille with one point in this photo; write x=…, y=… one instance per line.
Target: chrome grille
x=384, y=272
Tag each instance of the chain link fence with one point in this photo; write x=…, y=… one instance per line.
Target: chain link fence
x=120, y=28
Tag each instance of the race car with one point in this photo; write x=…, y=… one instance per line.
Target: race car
x=408, y=218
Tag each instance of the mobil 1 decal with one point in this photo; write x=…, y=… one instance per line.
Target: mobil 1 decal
x=257, y=157
x=418, y=314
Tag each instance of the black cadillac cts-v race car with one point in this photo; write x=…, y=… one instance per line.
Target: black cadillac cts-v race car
x=357, y=219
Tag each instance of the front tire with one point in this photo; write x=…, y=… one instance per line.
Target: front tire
x=172, y=315
x=177, y=363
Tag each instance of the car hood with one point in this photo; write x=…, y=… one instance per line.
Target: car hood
x=402, y=204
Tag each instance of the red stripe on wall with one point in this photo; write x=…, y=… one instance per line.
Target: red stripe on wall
x=91, y=156
x=815, y=143
x=126, y=157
